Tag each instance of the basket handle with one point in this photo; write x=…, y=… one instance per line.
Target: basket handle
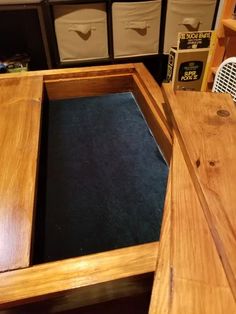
x=137, y=25
x=81, y=28
x=191, y=21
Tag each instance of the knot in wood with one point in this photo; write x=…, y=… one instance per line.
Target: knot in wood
x=223, y=113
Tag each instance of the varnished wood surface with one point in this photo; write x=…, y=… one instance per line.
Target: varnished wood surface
x=205, y=124
x=154, y=119
x=190, y=277
x=20, y=108
x=230, y=23
x=162, y=285
x=88, y=86
x=57, y=74
x=43, y=281
x=77, y=300
x=154, y=91
x=225, y=44
x=198, y=281
x=90, y=279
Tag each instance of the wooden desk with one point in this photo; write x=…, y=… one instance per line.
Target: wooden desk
x=79, y=281
x=19, y=137
x=196, y=263
x=196, y=255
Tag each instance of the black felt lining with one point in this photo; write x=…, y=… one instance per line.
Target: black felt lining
x=105, y=179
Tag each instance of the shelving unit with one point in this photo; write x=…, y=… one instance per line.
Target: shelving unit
x=42, y=37
x=155, y=62
x=230, y=24
x=18, y=37
x=225, y=44
x=52, y=5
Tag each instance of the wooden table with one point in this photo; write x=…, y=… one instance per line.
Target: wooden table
x=79, y=281
x=196, y=256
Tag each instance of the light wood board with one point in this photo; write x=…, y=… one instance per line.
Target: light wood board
x=107, y=275
x=20, y=108
x=61, y=277
x=205, y=124
x=161, y=290
x=190, y=277
x=198, y=281
x=88, y=86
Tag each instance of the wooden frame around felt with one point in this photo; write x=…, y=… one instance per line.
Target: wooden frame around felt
x=95, y=278
x=194, y=261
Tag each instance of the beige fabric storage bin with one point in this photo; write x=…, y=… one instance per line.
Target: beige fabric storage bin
x=187, y=15
x=81, y=31
x=136, y=28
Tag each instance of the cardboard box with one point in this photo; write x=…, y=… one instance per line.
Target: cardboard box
x=187, y=62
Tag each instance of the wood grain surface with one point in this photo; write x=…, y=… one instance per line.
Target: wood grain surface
x=20, y=108
x=190, y=277
x=154, y=90
x=161, y=290
x=198, y=281
x=82, y=280
x=45, y=280
x=205, y=124
x=90, y=298
x=156, y=121
x=88, y=86
x=57, y=74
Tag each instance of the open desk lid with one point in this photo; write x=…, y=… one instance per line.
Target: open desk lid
x=20, y=111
